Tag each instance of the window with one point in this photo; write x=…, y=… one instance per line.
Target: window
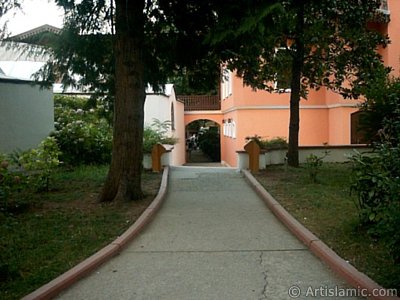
x=229, y=128
x=233, y=130
x=226, y=83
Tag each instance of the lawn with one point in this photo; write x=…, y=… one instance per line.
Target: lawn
x=328, y=210
x=62, y=228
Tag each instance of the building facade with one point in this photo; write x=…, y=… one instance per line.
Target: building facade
x=325, y=117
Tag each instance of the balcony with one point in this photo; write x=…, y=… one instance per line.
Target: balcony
x=200, y=102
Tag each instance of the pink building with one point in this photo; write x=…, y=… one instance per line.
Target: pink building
x=324, y=118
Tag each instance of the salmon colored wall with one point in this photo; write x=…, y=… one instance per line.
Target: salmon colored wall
x=394, y=35
x=213, y=116
x=245, y=96
x=340, y=125
x=275, y=123
x=250, y=97
x=228, y=150
x=271, y=123
x=335, y=99
x=227, y=103
x=315, y=97
x=229, y=144
x=314, y=127
x=179, y=152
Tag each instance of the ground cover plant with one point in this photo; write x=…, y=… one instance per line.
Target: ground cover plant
x=329, y=210
x=62, y=227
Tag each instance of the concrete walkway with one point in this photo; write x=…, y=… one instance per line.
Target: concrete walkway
x=212, y=239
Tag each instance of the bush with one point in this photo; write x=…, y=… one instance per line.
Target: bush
x=26, y=172
x=83, y=135
x=40, y=163
x=314, y=164
x=157, y=132
x=376, y=177
x=265, y=144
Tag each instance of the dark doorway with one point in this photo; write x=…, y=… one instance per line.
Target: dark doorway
x=203, y=142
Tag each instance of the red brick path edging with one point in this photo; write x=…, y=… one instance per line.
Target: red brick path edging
x=344, y=269
x=54, y=287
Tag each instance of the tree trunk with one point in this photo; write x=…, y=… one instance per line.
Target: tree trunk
x=124, y=177
x=295, y=85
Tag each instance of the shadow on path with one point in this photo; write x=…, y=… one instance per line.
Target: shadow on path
x=199, y=159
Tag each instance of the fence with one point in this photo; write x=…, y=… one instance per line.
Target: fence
x=200, y=102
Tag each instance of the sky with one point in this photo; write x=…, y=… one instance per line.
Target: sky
x=34, y=13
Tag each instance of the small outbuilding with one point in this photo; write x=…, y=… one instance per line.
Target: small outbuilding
x=26, y=112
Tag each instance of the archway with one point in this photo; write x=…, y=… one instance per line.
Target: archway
x=203, y=142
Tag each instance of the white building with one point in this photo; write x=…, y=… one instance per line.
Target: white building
x=165, y=107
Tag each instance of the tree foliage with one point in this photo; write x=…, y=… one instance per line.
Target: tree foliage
x=379, y=105
x=376, y=177
x=323, y=44
x=6, y=6
x=119, y=47
x=173, y=33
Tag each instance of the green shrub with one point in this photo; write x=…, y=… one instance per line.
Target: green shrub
x=265, y=144
x=376, y=176
x=84, y=137
x=40, y=163
x=157, y=132
x=314, y=164
x=26, y=172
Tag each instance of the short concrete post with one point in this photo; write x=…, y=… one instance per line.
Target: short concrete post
x=253, y=150
x=156, y=153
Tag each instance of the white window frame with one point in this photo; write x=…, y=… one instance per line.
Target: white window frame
x=227, y=84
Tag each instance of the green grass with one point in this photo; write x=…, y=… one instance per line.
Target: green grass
x=328, y=210
x=62, y=228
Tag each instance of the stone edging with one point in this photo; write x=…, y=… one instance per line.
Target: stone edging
x=65, y=280
x=344, y=269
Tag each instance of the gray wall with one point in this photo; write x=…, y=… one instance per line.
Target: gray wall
x=26, y=115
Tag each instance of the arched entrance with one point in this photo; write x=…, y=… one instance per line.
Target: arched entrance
x=203, y=142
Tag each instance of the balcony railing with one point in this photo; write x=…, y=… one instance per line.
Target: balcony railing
x=200, y=102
